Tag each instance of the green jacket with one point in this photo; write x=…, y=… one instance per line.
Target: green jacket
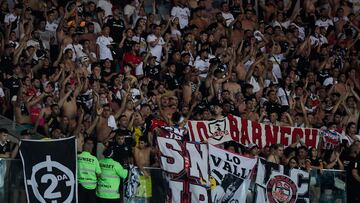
x=88, y=168
x=109, y=181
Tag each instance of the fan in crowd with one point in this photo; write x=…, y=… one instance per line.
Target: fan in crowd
x=114, y=71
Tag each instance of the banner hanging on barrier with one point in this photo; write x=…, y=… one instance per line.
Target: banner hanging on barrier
x=50, y=170
x=245, y=131
x=187, y=166
x=276, y=183
x=231, y=173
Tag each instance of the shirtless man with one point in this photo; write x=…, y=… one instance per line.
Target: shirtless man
x=231, y=85
x=68, y=96
x=142, y=154
x=248, y=22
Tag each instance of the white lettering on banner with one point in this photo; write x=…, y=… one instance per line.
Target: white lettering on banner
x=172, y=160
x=245, y=131
x=198, y=194
x=176, y=188
x=275, y=183
x=198, y=161
x=223, y=162
x=232, y=175
x=49, y=193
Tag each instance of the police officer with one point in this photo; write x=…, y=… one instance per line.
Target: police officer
x=108, y=185
x=88, y=172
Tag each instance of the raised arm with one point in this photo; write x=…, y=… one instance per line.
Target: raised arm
x=95, y=121
x=64, y=98
x=123, y=104
x=251, y=70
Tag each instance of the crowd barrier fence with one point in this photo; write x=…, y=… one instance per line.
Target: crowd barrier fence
x=326, y=186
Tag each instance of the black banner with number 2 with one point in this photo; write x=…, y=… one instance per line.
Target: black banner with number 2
x=50, y=170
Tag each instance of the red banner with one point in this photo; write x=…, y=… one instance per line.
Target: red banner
x=245, y=131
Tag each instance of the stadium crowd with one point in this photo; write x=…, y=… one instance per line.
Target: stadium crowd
x=112, y=70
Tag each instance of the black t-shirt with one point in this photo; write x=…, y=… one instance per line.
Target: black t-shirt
x=315, y=162
x=172, y=81
x=46, y=71
x=303, y=65
x=106, y=73
x=153, y=72
x=117, y=27
x=13, y=84
x=322, y=75
x=273, y=107
x=6, y=64
x=52, y=122
x=236, y=11
x=128, y=136
x=5, y=147
x=122, y=153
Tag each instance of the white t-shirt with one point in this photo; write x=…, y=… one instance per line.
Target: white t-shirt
x=139, y=70
x=183, y=14
x=284, y=24
x=129, y=10
x=51, y=27
x=276, y=59
x=97, y=27
x=104, y=51
x=112, y=122
x=284, y=95
x=318, y=40
x=2, y=92
x=157, y=49
x=202, y=65
x=134, y=93
x=106, y=6
x=229, y=18
x=255, y=84
x=9, y=18
x=324, y=23
x=77, y=51
x=301, y=31
x=328, y=81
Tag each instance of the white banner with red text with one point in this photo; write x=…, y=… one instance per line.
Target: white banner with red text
x=243, y=131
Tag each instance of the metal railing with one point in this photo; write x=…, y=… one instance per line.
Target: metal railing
x=326, y=186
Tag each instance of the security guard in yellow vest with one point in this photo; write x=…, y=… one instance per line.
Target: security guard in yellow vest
x=107, y=189
x=88, y=172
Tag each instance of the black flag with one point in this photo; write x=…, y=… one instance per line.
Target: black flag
x=50, y=170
